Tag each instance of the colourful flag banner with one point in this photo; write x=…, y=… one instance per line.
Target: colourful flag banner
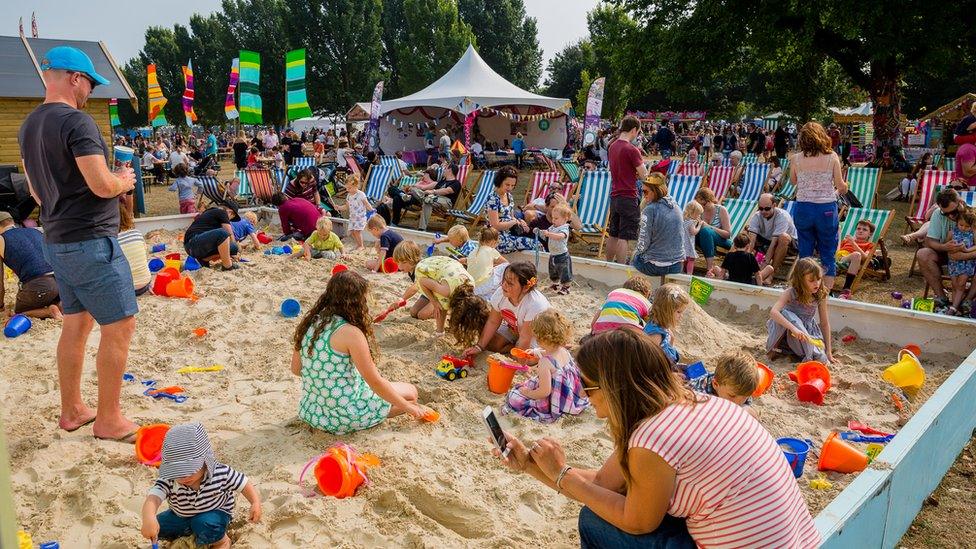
x=113, y=112
x=295, y=85
x=230, y=105
x=594, y=107
x=373, y=133
x=191, y=116
x=156, y=99
x=250, y=83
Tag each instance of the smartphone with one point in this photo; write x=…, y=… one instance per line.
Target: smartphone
x=495, y=429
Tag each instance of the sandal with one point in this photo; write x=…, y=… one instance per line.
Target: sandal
x=564, y=290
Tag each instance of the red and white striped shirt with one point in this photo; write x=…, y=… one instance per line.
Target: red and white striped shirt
x=733, y=484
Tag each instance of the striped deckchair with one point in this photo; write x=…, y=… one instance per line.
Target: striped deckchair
x=937, y=159
x=281, y=176
x=478, y=201
x=377, y=182
x=927, y=183
x=740, y=210
x=303, y=162
x=353, y=166
x=409, y=181
x=683, y=188
x=753, y=181
x=789, y=207
x=391, y=162
x=593, y=207
x=949, y=163
x=750, y=158
x=244, y=190
x=692, y=168
x=571, y=169
x=210, y=189
x=440, y=171
x=882, y=221
x=262, y=184
x=540, y=185
x=969, y=197
x=787, y=192
x=719, y=180
x=673, y=166
x=864, y=184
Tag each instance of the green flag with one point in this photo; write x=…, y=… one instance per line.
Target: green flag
x=295, y=85
x=250, y=89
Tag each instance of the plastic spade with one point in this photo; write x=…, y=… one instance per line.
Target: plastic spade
x=858, y=426
x=384, y=314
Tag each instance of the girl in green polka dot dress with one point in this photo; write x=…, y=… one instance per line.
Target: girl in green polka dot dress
x=342, y=390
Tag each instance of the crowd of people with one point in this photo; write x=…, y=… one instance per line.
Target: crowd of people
x=90, y=265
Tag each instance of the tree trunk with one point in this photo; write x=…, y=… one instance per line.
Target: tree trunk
x=885, y=95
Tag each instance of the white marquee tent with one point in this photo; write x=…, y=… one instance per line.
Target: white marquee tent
x=470, y=86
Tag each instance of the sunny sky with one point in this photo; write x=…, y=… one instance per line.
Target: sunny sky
x=122, y=27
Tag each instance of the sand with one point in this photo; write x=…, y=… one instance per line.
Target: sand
x=438, y=484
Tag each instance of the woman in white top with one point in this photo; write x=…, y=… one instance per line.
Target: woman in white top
x=816, y=170
x=513, y=308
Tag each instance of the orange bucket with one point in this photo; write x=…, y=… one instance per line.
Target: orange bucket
x=149, y=443
x=838, y=455
x=765, y=380
x=182, y=287
x=500, y=376
x=341, y=471
x=163, y=278
x=390, y=266
x=914, y=349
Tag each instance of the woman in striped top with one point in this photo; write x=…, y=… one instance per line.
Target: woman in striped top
x=687, y=469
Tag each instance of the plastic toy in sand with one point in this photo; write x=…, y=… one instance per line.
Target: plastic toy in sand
x=339, y=267
x=382, y=316
x=837, y=455
x=796, y=451
x=339, y=472
x=849, y=338
x=431, y=416
x=162, y=280
x=199, y=332
x=173, y=393
x=159, y=248
x=389, y=266
x=290, y=308
x=174, y=260
x=695, y=370
x=915, y=350
x=16, y=326
x=813, y=380
x=279, y=250
x=858, y=426
x=452, y=367
x=191, y=264
x=896, y=295
x=765, y=380
x=263, y=238
x=907, y=373
x=858, y=437
x=200, y=369
x=149, y=443
x=156, y=265
x=820, y=483
x=180, y=287
x=501, y=373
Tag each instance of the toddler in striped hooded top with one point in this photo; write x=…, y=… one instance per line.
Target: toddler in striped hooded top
x=199, y=489
x=628, y=306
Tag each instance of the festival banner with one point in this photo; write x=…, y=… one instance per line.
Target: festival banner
x=594, y=107
x=230, y=105
x=373, y=133
x=296, y=98
x=156, y=99
x=113, y=112
x=191, y=116
x=250, y=66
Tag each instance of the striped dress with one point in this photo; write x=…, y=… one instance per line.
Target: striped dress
x=733, y=484
x=623, y=307
x=134, y=249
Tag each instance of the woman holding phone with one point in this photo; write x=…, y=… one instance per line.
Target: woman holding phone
x=687, y=468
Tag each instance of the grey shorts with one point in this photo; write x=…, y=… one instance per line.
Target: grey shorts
x=37, y=293
x=94, y=276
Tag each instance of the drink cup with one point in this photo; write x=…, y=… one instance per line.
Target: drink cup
x=123, y=157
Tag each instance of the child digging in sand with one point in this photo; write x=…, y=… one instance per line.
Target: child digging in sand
x=669, y=303
x=322, y=243
x=342, y=389
x=800, y=318
x=628, y=306
x=199, y=489
x=436, y=277
x=386, y=241
x=556, y=388
x=460, y=243
x=735, y=378
x=245, y=228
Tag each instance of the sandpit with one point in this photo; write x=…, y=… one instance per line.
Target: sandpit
x=438, y=484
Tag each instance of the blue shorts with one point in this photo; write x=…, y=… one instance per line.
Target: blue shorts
x=205, y=244
x=209, y=527
x=816, y=229
x=94, y=276
x=651, y=269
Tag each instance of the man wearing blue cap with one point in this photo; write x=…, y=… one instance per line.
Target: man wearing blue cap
x=66, y=161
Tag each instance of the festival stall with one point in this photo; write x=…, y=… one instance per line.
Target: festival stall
x=473, y=100
x=860, y=121
x=938, y=124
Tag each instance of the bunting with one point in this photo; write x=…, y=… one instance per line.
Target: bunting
x=191, y=116
x=296, y=99
x=230, y=106
x=516, y=117
x=156, y=99
x=113, y=112
x=250, y=81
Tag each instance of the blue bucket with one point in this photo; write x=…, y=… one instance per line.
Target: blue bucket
x=290, y=308
x=696, y=370
x=796, y=451
x=156, y=265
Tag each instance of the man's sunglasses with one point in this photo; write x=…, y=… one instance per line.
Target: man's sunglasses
x=85, y=76
x=766, y=209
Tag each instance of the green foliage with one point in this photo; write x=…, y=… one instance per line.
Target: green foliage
x=566, y=70
x=613, y=35
x=583, y=92
x=507, y=39
x=433, y=39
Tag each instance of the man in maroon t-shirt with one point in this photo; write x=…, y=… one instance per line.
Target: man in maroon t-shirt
x=626, y=167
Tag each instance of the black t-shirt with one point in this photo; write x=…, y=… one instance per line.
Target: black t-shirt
x=455, y=186
x=295, y=148
x=51, y=137
x=664, y=138
x=757, y=142
x=742, y=266
x=388, y=241
x=211, y=219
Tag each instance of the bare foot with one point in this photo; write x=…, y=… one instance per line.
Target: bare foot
x=72, y=420
x=906, y=239
x=55, y=312
x=117, y=429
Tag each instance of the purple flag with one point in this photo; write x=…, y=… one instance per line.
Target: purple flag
x=594, y=106
x=373, y=134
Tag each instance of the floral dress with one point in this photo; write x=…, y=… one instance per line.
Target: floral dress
x=966, y=266
x=335, y=397
x=358, y=206
x=566, y=396
x=508, y=242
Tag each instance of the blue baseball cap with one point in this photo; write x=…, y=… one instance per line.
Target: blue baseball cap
x=72, y=59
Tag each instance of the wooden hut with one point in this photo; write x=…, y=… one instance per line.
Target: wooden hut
x=22, y=88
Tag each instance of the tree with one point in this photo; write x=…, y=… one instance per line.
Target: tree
x=614, y=38
x=583, y=91
x=434, y=38
x=566, y=69
x=874, y=42
x=507, y=39
x=260, y=25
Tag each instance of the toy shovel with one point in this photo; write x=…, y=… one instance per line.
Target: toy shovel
x=858, y=426
x=384, y=314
